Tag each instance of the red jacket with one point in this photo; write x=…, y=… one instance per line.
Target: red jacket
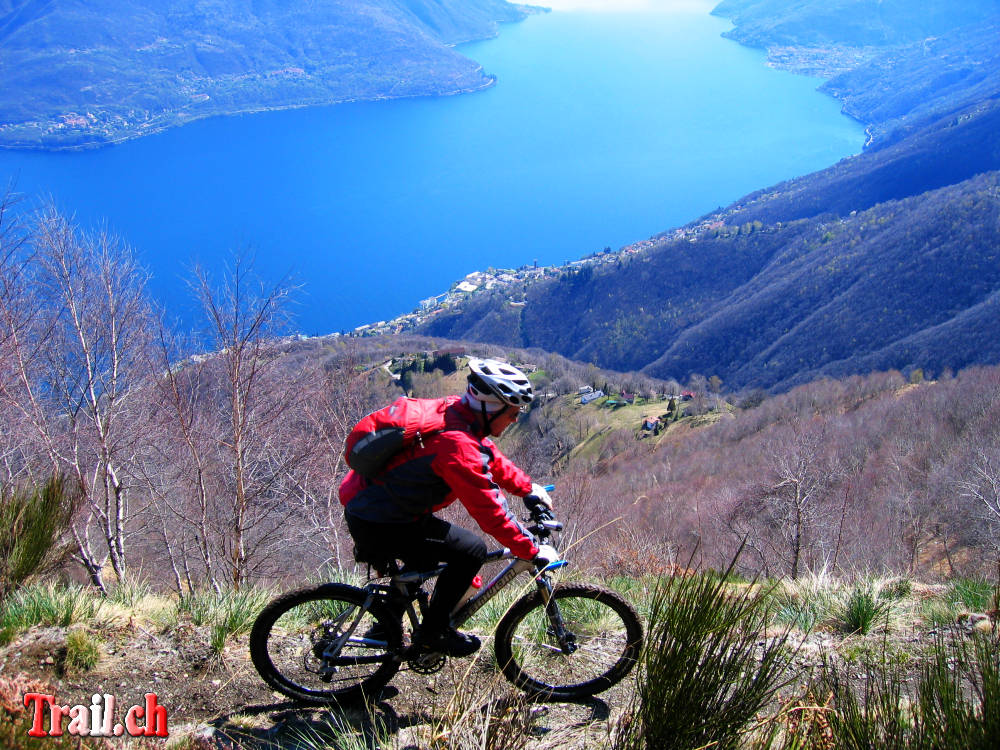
x=455, y=464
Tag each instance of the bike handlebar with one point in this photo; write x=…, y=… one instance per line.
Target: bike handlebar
x=545, y=521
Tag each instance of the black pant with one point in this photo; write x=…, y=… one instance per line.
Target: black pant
x=423, y=545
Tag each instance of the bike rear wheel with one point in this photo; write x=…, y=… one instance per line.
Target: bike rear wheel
x=321, y=645
x=586, y=640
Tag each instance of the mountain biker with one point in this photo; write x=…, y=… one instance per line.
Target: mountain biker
x=394, y=514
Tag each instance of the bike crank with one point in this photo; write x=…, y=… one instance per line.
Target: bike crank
x=427, y=663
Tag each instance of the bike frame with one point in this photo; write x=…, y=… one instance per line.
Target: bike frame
x=500, y=581
x=517, y=566
x=399, y=584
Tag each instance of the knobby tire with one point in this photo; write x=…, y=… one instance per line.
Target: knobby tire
x=606, y=629
x=291, y=635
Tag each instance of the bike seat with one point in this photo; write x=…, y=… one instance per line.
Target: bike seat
x=390, y=567
x=386, y=566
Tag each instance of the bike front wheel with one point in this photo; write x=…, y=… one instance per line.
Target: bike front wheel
x=323, y=645
x=584, y=641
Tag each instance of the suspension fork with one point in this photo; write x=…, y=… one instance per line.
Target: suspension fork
x=557, y=627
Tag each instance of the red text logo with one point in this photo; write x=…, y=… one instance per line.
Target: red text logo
x=97, y=719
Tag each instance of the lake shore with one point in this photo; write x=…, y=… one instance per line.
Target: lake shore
x=179, y=119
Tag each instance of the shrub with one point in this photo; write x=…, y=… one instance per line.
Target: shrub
x=959, y=693
x=217, y=639
x=198, y=605
x=953, y=706
x=46, y=604
x=936, y=613
x=31, y=521
x=228, y=613
x=334, y=731
x=863, y=610
x=707, y=667
x=896, y=589
x=493, y=717
x=83, y=651
x=872, y=716
x=977, y=594
x=240, y=608
x=131, y=589
x=805, y=602
x=804, y=616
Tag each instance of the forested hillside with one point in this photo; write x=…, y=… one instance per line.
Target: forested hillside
x=948, y=151
x=905, y=88
x=909, y=283
x=895, y=65
x=89, y=73
x=886, y=259
x=858, y=23
x=827, y=304
x=810, y=477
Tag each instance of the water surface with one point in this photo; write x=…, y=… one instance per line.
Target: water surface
x=604, y=128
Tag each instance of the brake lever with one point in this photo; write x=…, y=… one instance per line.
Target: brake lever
x=544, y=519
x=546, y=522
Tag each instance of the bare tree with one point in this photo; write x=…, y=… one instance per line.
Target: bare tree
x=12, y=242
x=76, y=335
x=177, y=467
x=255, y=404
x=335, y=398
x=248, y=458
x=982, y=486
x=783, y=510
x=15, y=316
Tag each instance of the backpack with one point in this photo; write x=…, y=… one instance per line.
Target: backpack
x=382, y=434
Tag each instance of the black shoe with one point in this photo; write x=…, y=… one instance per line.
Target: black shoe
x=397, y=608
x=377, y=631
x=448, y=641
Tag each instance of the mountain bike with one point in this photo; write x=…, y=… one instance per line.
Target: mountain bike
x=337, y=643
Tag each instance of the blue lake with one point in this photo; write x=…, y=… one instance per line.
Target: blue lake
x=604, y=128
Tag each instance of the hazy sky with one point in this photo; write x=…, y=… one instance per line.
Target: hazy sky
x=620, y=5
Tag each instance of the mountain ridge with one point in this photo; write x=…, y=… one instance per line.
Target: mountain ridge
x=85, y=74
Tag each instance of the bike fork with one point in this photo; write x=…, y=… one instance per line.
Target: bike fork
x=557, y=627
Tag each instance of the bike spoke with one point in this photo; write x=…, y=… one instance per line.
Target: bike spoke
x=313, y=645
x=602, y=636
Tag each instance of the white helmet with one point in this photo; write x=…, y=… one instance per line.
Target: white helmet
x=495, y=382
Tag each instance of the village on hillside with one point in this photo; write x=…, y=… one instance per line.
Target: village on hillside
x=513, y=282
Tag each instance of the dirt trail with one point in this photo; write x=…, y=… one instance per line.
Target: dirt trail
x=220, y=702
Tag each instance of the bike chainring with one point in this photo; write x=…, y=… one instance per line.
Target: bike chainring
x=427, y=663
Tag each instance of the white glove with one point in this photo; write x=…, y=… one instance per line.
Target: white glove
x=539, y=493
x=546, y=554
